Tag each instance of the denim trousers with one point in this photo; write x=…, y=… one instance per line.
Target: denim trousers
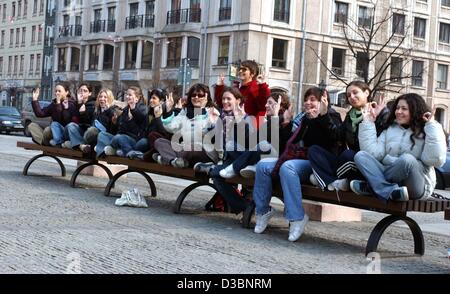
x=75, y=133
x=383, y=179
x=58, y=132
x=124, y=143
x=104, y=139
x=292, y=174
x=142, y=145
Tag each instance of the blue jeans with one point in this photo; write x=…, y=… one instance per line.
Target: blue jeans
x=75, y=134
x=104, y=139
x=58, y=132
x=383, y=179
x=292, y=173
x=142, y=145
x=124, y=143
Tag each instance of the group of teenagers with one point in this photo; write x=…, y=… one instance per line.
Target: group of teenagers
x=387, y=152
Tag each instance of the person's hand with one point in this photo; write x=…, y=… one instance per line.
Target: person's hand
x=323, y=108
x=368, y=113
x=276, y=107
x=169, y=102
x=313, y=113
x=132, y=104
x=80, y=98
x=82, y=108
x=36, y=93
x=238, y=113
x=221, y=80
x=65, y=104
x=428, y=117
x=114, y=118
x=213, y=115
x=378, y=106
x=157, y=110
x=288, y=115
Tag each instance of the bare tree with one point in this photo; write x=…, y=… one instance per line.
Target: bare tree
x=378, y=37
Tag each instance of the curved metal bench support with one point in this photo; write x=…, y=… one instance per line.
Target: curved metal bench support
x=30, y=162
x=77, y=172
x=185, y=193
x=114, y=179
x=375, y=236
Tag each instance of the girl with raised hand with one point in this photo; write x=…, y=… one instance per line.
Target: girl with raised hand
x=399, y=164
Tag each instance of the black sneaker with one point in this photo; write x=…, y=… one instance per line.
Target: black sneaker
x=360, y=187
x=400, y=195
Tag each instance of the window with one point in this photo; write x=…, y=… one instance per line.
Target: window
x=130, y=55
x=341, y=13
x=362, y=65
x=445, y=3
x=9, y=64
x=13, y=10
x=398, y=24
x=66, y=19
x=32, y=63
x=338, y=63
x=17, y=37
x=38, y=63
x=224, y=48
x=147, y=55
x=35, y=4
x=22, y=60
x=417, y=73
x=25, y=8
x=444, y=33
x=33, y=35
x=75, y=59
x=41, y=7
x=225, y=10
x=420, y=25
x=279, y=53
x=97, y=14
x=282, y=10
x=174, y=52
x=108, y=57
x=39, y=29
x=150, y=7
x=2, y=39
x=11, y=37
x=1, y=65
x=62, y=59
x=111, y=19
x=19, y=8
x=16, y=61
x=365, y=16
x=134, y=9
x=442, y=74
x=93, y=57
x=193, y=52
x=396, y=69
x=23, y=36
x=4, y=13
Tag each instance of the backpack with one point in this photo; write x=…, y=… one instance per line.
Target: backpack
x=218, y=204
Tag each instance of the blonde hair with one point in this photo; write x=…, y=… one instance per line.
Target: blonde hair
x=109, y=96
x=138, y=92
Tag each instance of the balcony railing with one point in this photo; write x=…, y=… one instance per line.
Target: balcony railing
x=281, y=15
x=140, y=21
x=225, y=13
x=184, y=16
x=98, y=26
x=70, y=31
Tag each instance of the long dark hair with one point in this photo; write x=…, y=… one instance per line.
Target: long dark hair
x=66, y=87
x=199, y=88
x=417, y=108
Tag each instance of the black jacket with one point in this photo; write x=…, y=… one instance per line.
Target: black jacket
x=134, y=127
x=87, y=117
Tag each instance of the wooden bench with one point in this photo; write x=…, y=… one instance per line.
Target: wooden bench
x=397, y=210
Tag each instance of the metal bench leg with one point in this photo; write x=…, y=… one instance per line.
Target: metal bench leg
x=114, y=179
x=375, y=236
x=247, y=217
x=77, y=172
x=185, y=193
x=30, y=162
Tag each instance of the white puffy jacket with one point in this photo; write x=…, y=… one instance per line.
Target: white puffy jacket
x=396, y=140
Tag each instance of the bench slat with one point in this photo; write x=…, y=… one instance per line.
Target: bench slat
x=54, y=151
x=447, y=214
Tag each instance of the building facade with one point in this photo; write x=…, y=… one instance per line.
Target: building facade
x=21, y=47
x=116, y=44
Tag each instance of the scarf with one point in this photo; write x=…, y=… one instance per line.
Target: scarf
x=355, y=117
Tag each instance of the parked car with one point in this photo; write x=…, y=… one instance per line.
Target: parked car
x=443, y=175
x=10, y=120
x=28, y=117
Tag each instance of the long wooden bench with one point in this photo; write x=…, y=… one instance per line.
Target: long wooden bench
x=397, y=210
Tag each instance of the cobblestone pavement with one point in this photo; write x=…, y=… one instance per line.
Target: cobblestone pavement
x=48, y=227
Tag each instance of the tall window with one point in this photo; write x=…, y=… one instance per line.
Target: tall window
x=224, y=49
x=25, y=8
x=62, y=59
x=134, y=9
x=16, y=61
x=2, y=39
x=1, y=66
x=442, y=76
x=93, y=56
x=111, y=19
x=33, y=35
x=22, y=60
x=445, y=3
x=341, y=12
x=41, y=7
x=38, y=63
x=108, y=57
x=175, y=5
x=35, y=7
x=4, y=13
x=365, y=15
x=30, y=71
x=282, y=10
x=444, y=33
x=150, y=7
x=97, y=14
x=225, y=10
x=11, y=37
x=23, y=36
x=420, y=26
x=396, y=69
x=39, y=38
x=174, y=52
x=9, y=64
x=193, y=51
x=131, y=54
x=338, y=63
x=147, y=55
x=75, y=59
x=362, y=65
x=13, y=10
x=398, y=24
x=19, y=8
x=417, y=73
x=279, y=53
x=17, y=37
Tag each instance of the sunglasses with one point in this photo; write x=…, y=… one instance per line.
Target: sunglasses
x=198, y=95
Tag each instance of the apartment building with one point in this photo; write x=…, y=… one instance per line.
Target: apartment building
x=21, y=47
x=116, y=44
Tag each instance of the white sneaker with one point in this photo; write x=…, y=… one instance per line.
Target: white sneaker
x=66, y=145
x=262, y=221
x=248, y=172
x=339, y=185
x=109, y=151
x=228, y=172
x=313, y=180
x=296, y=228
x=179, y=163
x=132, y=198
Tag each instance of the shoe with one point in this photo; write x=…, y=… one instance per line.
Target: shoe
x=339, y=185
x=179, y=163
x=135, y=155
x=109, y=151
x=248, y=172
x=313, y=180
x=360, y=187
x=132, y=198
x=86, y=149
x=400, y=194
x=296, y=228
x=66, y=145
x=204, y=167
x=120, y=153
x=53, y=143
x=156, y=157
x=262, y=221
x=228, y=172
